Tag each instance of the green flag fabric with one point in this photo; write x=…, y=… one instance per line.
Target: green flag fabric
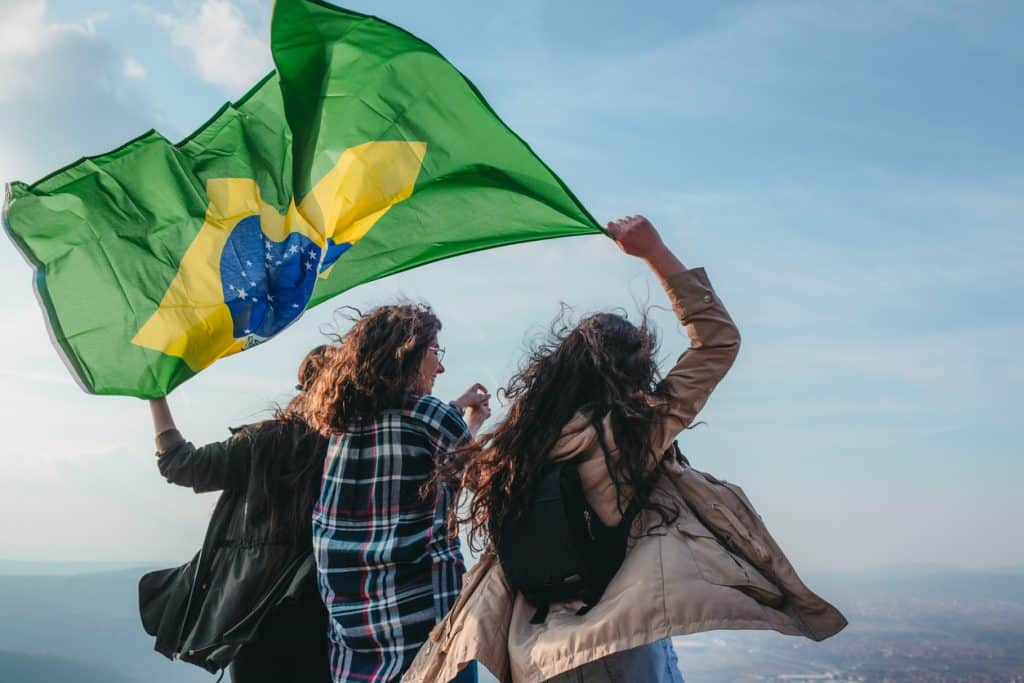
x=364, y=154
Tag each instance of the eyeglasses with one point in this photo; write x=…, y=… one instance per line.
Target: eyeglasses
x=438, y=351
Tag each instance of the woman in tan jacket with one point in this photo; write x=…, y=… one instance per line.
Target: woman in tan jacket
x=699, y=557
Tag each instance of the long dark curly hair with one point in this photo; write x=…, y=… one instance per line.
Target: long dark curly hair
x=288, y=475
x=605, y=365
x=374, y=367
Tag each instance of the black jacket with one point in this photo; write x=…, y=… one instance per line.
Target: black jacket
x=205, y=611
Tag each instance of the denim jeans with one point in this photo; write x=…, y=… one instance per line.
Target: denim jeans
x=652, y=663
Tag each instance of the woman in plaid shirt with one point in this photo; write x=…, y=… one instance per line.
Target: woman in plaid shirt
x=387, y=568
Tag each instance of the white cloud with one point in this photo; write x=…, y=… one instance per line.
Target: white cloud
x=131, y=68
x=26, y=37
x=59, y=98
x=23, y=30
x=226, y=49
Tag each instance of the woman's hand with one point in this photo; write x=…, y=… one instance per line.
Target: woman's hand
x=475, y=395
x=475, y=401
x=637, y=237
x=476, y=416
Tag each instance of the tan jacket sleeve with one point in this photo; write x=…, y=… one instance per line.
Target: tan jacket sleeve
x=714, y=343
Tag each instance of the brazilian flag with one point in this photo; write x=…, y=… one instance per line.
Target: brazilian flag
x=365, y=153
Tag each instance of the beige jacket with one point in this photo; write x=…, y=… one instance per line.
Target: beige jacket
x=716, y=567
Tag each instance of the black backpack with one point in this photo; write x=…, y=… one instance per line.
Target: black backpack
x=558, y=550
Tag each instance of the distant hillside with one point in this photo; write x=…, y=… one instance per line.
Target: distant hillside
x=60, y=625
x=22, y=668
x=973, y=587
x=907, y=625
x=23, y=567
x=89, y=622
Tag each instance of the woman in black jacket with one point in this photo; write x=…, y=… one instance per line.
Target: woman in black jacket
x=249, y=597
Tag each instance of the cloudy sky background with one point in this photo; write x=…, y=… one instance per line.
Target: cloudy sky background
x=850, y=174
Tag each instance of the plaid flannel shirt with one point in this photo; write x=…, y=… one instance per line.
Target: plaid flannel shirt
x=387, y=570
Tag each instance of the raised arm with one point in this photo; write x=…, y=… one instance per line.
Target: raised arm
x=164, y=429
x=215, y=466
x=714, y=339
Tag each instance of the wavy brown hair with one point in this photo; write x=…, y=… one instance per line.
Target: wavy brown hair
x=374, y=368
x=605, y=365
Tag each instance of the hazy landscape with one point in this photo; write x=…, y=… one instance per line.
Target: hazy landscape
x=79, y=622
x=911, y=625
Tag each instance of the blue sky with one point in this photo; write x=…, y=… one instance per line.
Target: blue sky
x=850, y=174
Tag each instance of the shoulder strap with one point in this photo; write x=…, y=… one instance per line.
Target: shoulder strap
x=632, y=509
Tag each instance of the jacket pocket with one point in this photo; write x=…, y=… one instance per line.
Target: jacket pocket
x=723, y=568
x=738, y=534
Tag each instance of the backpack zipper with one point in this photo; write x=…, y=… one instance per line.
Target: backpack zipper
x=590, y=528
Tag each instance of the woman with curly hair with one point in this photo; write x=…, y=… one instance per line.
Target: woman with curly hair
x=590, y=396
x=248, y=600
x=387, y=569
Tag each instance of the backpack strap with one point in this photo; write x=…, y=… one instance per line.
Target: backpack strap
x=672, y=452
x=633, y=509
